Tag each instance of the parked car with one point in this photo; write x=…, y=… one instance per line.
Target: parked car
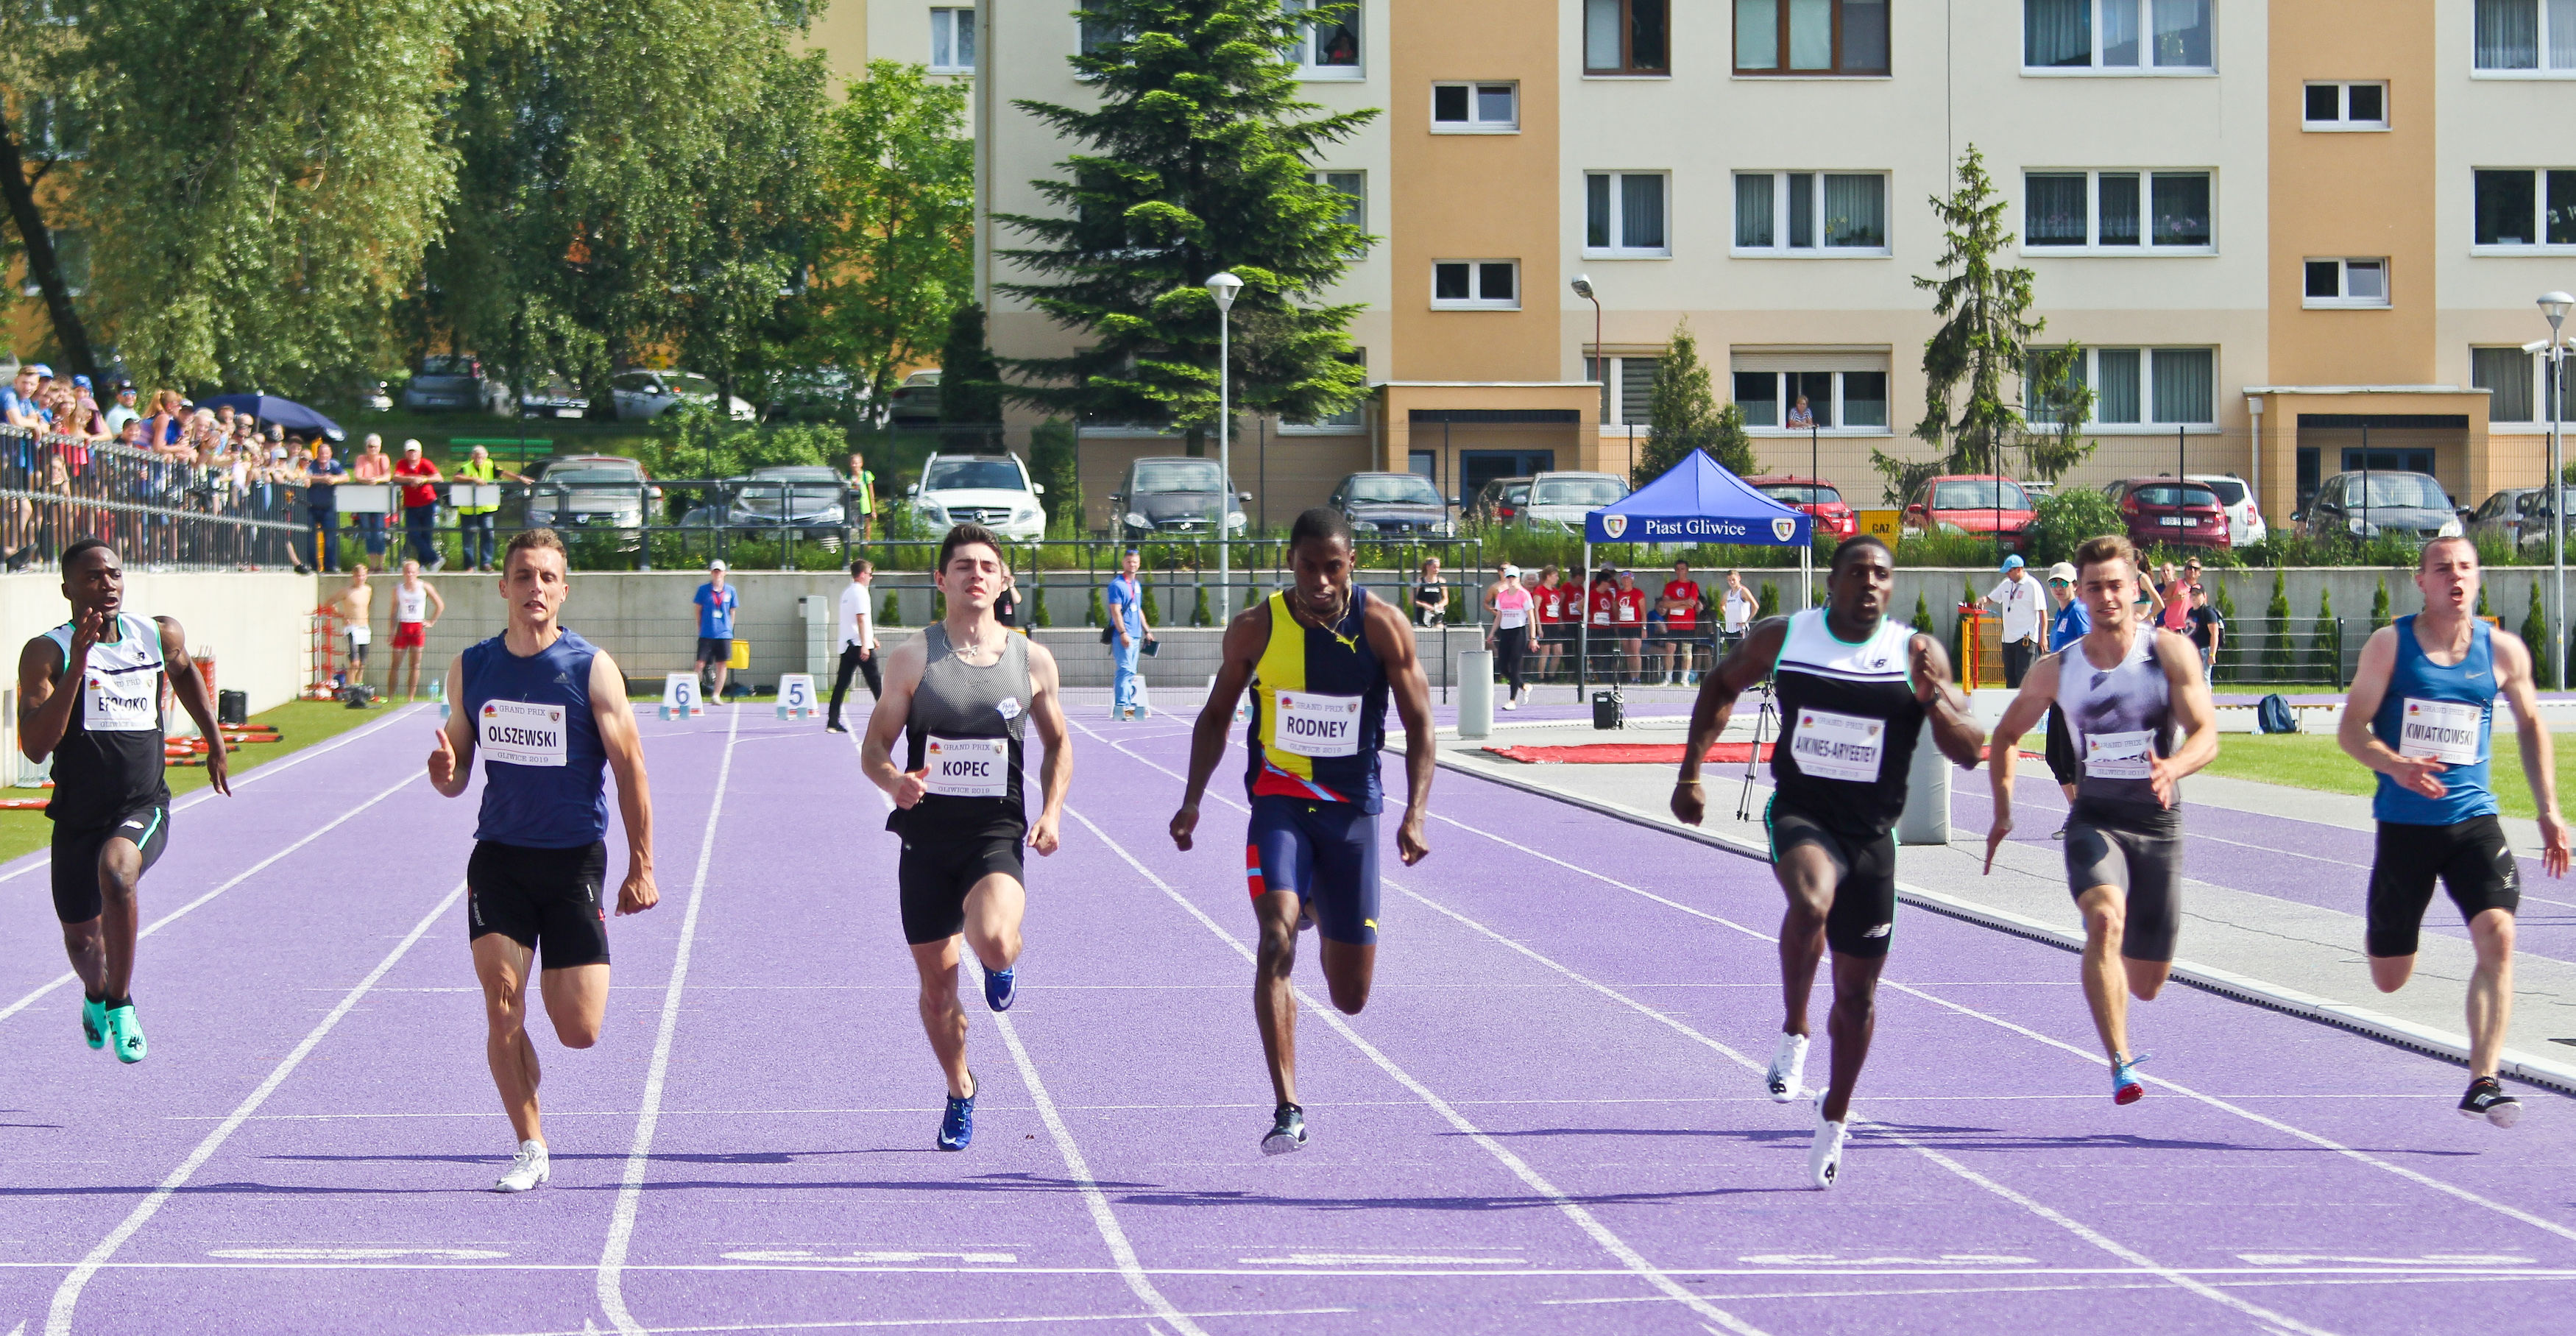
x=1499, y=501
x=2244, y=518
x=2175, y=513
x=991, y=490
x=642, y=396
x=1175, y=496
x=451, y=383
x=1397, y=504
x=1815, y=496
x=1978, y=503
x=916, y=399
x=373, y=395
x=2037, y=491
x=2380, y=503
x=580, y=493
x=551, y=395
x=1559, y=501
x=2519, y=516
x=808, y=499
x=816, y=394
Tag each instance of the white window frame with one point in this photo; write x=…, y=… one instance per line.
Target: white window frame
x=1323, y=176
x=1475, y=283
x=1782, y=399
x=2146, y=69
x=2343, y=280
x=2537, y=424
x=945, y=16
x=2147, y=424
x=1781, y=249
x=2539, y=219
x=1618, y=219
x=1302, y=54
x=1472, y=126
x=2542, y=69
x=2146, y=244
x=2343, y=124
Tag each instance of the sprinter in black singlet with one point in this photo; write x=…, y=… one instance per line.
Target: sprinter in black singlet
x=111, y=803
x=1855, y=688
x=1321, y=658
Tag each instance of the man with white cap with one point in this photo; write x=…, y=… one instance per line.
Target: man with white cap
x=716, y=601
x=2017, y=596
x=1508, y=633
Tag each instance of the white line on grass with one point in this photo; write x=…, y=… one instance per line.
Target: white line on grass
x=164, y=921
x=58, y=1320
x=630, y=1191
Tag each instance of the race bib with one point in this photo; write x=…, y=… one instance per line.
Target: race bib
x=968, y=767
x=518, y=733
x=360, y=635
x=2446, y=731
x=121, y=702
x=1309, y=725
x=2119, y=755
x=1838, y=746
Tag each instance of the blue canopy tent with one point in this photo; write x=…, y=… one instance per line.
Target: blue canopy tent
x=268, y=409
x=1697, y=502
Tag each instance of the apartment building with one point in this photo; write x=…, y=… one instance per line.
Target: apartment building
x=2291, y=235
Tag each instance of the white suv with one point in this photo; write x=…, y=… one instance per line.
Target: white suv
x=2244, y=518
x=990, y=490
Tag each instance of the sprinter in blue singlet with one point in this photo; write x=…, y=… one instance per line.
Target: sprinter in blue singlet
x=547, y=711
x=2420, y=713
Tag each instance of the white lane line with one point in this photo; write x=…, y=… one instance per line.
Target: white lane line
x=58, y=1320
x=630, y=1191
x=1520, y=1168
x=164, y=921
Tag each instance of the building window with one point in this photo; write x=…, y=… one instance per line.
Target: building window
x=1624, y=214
x=2530, y=36
x=1628, y=397
x=1349, y=419
x=952, y=41
x=1326, y=47
x=1354, y=187
x=1811, y=37
x=1098, y=35
x=2117, y=36
x=2347, y=283
x=2525, y=207
x=2101, y=211
x=2142, y=388
x=1475, y=108
x=1476, y=285
x=1836, y=401
x=2346, y=106
x=1626, y=37
x=1811, y=213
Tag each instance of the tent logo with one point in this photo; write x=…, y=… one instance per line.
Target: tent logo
x=1614, y=525
x=1782, y=529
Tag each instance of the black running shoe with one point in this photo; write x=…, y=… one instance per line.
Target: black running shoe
x=2486, y=1099
x=1287, y=1132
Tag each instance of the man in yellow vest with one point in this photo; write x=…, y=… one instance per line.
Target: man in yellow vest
x=863, y=497
x=475, y=522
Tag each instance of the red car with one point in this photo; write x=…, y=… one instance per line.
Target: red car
x=1978, y=503
x=1815, y=496
x=2173, y=513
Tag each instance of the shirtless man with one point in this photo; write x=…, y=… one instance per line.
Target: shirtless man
x=354, y=604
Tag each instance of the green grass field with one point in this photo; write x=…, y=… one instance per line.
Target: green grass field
x=2313, y=761
x=299, y=724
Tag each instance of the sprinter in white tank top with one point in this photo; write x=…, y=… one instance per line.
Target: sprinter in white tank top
x=417, y=607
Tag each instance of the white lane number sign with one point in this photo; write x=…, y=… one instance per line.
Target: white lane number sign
x=796, y=697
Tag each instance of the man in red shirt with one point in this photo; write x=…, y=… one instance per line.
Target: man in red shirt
x=1679, y=652
x=420, y=479
x=1628, y=622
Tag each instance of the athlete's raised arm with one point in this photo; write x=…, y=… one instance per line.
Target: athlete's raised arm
x=1954, y=730
x=2420, y=774
x=1246, y=637
x=190, y=688
x=903, y=670
x=2003, y=751
x=1055, y=773
x=1743, y=666
x=2192, y=713
x=451, y=762
x=2513, y=682
x=624, y=744
x=44, y=713
x=1392, y=637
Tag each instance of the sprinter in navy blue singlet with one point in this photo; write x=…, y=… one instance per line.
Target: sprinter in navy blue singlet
x=2421, y=714
x=546, y=711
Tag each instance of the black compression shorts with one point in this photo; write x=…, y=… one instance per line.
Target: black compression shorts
x=1863, y=916
x=2136, y=847
x=2472, y=859
x=932, y=879
x=77, y=897
x=544, y=899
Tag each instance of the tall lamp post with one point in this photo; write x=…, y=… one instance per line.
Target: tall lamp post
x=2554, y=305
x=1223, y=286
x=1582, y=286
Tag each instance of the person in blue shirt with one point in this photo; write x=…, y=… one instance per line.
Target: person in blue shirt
x=1128, y=635
x=716, y=602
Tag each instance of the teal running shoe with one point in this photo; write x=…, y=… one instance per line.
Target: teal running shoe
x=1287, y=1133
x=1000, y=988
x=94, y=1021
x=2126, y=1088
x=126, y=1033
x=958, y=1126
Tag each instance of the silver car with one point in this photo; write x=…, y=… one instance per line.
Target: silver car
x=808, y=499
x=1560, y=501
x=2520, y=517
x=642, y=396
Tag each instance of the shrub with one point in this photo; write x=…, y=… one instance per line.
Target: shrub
x=2535, y=633
x=1098, y=613
x=2276, y=639
x=1769, y=606
x=2325, y=641
x=1923, y=616
x=1200, y=613
x=2067, y=518
x=892, y=613
x=2379, y=605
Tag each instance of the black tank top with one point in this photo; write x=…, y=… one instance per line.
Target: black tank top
x=109, y=762
x=1848, y=724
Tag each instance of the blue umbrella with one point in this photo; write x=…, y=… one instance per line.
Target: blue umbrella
x=269, y=409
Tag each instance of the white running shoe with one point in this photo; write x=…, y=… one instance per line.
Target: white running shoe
x=1825, y=1157
x=1788, y=1068
x=528, y=1169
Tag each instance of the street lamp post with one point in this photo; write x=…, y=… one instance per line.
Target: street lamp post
x=2554, y=305
x=1223, y=286
x=1582, y=286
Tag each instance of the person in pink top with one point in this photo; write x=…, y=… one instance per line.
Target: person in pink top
x=1508, y=633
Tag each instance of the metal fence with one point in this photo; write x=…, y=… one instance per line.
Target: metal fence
x=159, y=511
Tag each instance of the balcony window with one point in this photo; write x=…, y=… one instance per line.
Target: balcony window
x=2099, y=211
x=1475, y=108
x=1844, y=401
x=2117, y=36
x=1627, y=37
x=2344, y=106
x=1326, y=46
x=2148, y=389
x=2346, y=282
x=1476, y=285
x=2524, y=36
x=1628, y=397
x=1811, y=37
x=1623, y=215
x=2525, y=207
x=1811, y=213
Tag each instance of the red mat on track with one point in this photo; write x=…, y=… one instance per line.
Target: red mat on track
x=1640, y=753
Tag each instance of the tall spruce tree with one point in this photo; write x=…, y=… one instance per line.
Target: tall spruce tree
x=1197, y=157
x=970, y=387
x=1686, y=416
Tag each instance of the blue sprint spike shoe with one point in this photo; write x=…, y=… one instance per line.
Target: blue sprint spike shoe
x=94, y=1021
x=1000, y=987
x=957, y=1127
x=2126, y=1088
x=125, y=1033
x=1287, y=1132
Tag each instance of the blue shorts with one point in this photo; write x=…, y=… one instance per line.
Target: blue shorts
x=1324, y=851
